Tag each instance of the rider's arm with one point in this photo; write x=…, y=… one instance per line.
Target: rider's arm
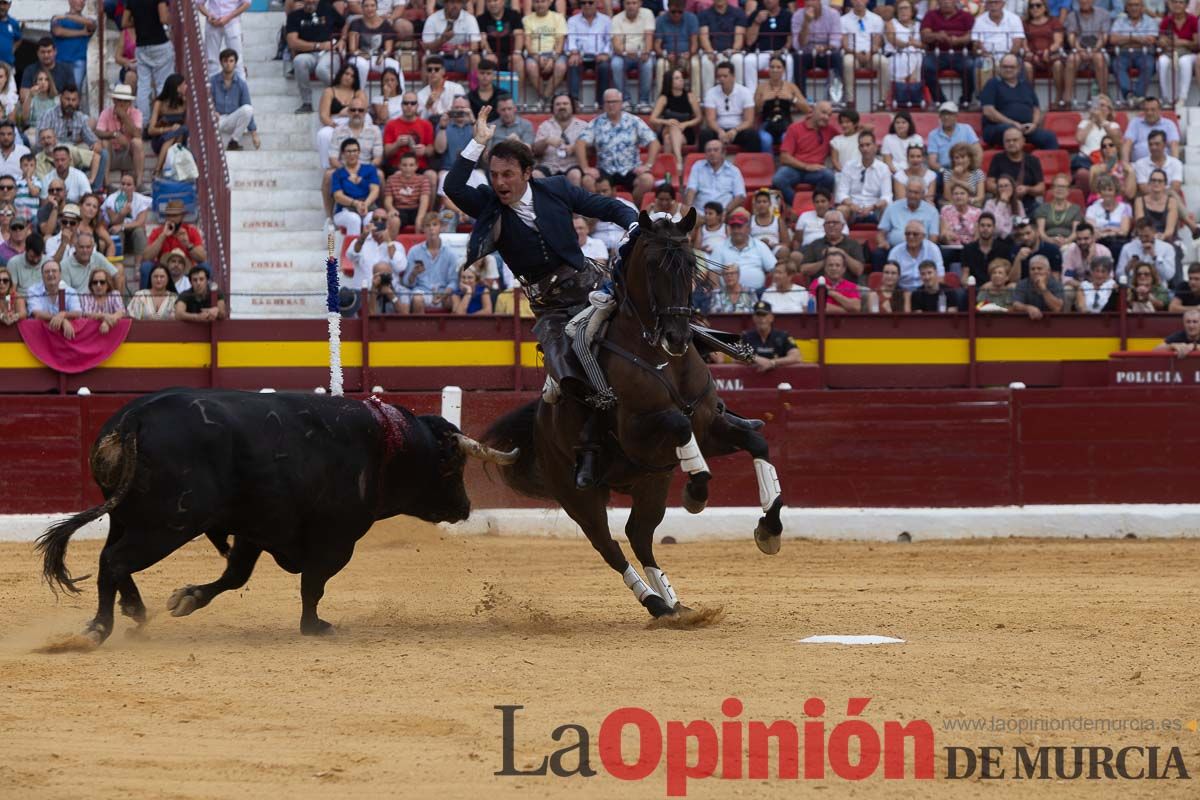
x=470, y=199
x=609, y=209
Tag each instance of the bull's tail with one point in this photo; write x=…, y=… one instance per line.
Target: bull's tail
x=114, y=462
x=515, y=429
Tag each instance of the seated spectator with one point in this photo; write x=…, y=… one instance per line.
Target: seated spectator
x=959, y=219
x=864, y=186
x=1147, y=248
x=1158, y=161
x=1087, y=28
x=593, y=249
x=102, y=302
x=455, y=36
x=177, y=264
x=1147, y=295
x=931, y=296
x=1187, y=340
x=74, y=182
x=784, y=295
x=437, y=95
x=504, y=302
x=345, y=93
x=28, y=190
x=1078, y=256
x=1188, y=295
x=90, y=221
x=753, y=259
x=1058, y=217
x=1098, y=292
x=862, y=47
x=1112, y=167
x=315, y=51
x=355, y=188
x=1030, y=244
x=817, y=40
x=201, y=302
x=471, y=296
x=901, y=135
x=173, y=234
x=48, y=213
x=778, y=99
x=73, y=127
x=841, y=295
x=998, y=293
x=715, y=180
x=26, y=268
x=43, y=302
x=711, y=235
x=665, y=202
x=676, y=44
x=1039, y=292
x=382, y=295
x=843, y=149
x=1010, y=103
x=12, y=304
x=231, y=101
x=888, y=298
x=836, y=240
x=588, y=45
x=1134, y=35
x=408, y=193
x=676, y=116
x=729, y=112
x=1024, y=169
x=944, y=141
x=391, y=95
x=768, y=34
x=1136, y=143
x=371, y=40
x=733, y=298
x=906, y=55
x=554, y=142
x=168, y=120
x=454, y=131
x=772, y=348
x=633, y=51
x=376, y=249
x=1045, y=39
x=805, y=147
x=545, y=36
x=487, y=93
x=722, y=40
x=79, y=267
x=37, y=100
x=910, y=254
x=946, y=34
x=119, y=128
x=1099, y=124
x=82, y=158
x=432, y=272
x=512, y=125
x=1111, y=217
x=616, y=137
x=765, y=224
x=502, y=41
x=14, y=240
x=811, y=223
x=917, y=166
x=609, y=232
x=157, y=302
x=126, y=213
x=62, y=244
x=898, y=214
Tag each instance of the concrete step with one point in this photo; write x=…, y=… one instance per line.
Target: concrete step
x=264, y=81
x=276, y=306
x=284, y=102
x=278, y=179
x=1191, y=174
x=273, y=200
x=249, y=160
x=284, y=122
x=309, y=218
x=275, y=141
x=279, y=262
x=259, y=21
x=268, y=243
x=1192, y=195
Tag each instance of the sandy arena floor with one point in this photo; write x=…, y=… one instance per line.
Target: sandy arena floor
x=434, y=631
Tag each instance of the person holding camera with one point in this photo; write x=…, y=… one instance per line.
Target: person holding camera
x=173, y=234
x=383, y=292
x=374, y=249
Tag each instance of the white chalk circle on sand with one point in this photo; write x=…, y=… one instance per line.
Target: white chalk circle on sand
x=835, y=639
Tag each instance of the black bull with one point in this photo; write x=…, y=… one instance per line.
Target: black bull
x=300, y=477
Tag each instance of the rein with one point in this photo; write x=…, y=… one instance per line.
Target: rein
x=688, y=408
x=673, y=251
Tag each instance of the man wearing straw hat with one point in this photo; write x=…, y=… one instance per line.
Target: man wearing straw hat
x=119, y=128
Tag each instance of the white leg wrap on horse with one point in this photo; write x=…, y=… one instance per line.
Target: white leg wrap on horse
x=691, y=459
x=635, y=583
x=660, y=583
x=768, y=482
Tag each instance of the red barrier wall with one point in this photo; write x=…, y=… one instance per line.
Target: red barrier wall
x=852, y=448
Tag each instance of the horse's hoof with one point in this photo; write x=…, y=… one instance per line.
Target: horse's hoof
x=767, y=542
x=183, y=601
x=695, y=492
x=657, y=606
x=317, y=628
x=692, y=504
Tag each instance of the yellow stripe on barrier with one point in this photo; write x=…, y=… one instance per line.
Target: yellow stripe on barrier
x=895, y=351
x=15, y=355
x=159, y=355
x=285, y=354
x=477, y=353
x=1035, y=348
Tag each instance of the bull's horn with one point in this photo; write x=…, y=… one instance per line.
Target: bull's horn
x=470, y=447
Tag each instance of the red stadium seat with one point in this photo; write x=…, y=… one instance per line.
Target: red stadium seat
x=757, y=170
x=986, y=162
x=863, y=237
x=878, y=123
x=688, y=161
x=1053, y=162
x=347, y=267
x=536, y=120
x=972, y=119
x=874, y=280
x=1063, y=124
x=1077, y=197
x=802, y=202
x=952, y=281
x=409, y=240
x=662, y=165
x=925, y=123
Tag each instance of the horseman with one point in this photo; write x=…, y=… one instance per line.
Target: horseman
x=530, y=222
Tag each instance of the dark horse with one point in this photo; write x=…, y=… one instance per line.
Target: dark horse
x=667, y=413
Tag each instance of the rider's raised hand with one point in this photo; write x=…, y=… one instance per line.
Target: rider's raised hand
x=484, y=131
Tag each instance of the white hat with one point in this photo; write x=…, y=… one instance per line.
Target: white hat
x=948, y=107
x=122, y=92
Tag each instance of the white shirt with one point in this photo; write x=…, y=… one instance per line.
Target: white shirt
x=219, y=8
x=77, y=184
x=729, y=107
x=10, y=165
x=814, y=227
x=892, y=145
x=138, y=203
x=373, y=253
x=929, y=176
x=1096, y=297
x=589, y=39
x=1143, y=167
x=997, y=37
x=632, y=34
x=857, y=31
x=52, y=247
x=1163, y=256
x=793, y=301
x=864, y=186
x=595, y=250
x=466, y=30
x=450, y=90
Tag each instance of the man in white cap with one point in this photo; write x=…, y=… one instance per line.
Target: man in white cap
x=949, y=133
x=119, y=128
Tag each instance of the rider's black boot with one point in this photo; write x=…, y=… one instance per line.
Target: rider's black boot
x=742, y=422
x=587, y=454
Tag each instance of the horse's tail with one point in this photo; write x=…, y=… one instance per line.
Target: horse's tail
x=516, y=429
x=113, y=462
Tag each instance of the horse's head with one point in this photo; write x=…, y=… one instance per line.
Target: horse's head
x=660, y=276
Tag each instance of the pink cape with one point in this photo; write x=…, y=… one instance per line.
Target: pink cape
x=88, y=349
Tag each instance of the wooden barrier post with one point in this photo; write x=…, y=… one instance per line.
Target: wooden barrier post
x=516, y=323
x=972, y=366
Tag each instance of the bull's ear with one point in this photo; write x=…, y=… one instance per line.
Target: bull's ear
x=644, y=221
x=689, y=221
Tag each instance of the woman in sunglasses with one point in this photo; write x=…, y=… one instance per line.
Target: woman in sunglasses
x=1101, y=121
x=12, y=305
x=1110, y=165
x=102, y=301
x=1044, y=46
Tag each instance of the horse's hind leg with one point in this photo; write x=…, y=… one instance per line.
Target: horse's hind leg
x=725, y=438
x=241, y=560
x=649, y=507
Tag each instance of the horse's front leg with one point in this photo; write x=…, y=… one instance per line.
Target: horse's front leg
x=724, y=438
x=673, y=429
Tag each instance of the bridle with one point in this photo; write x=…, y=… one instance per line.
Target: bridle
x=674, y=254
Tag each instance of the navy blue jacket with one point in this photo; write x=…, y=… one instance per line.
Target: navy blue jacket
x=554, y=201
